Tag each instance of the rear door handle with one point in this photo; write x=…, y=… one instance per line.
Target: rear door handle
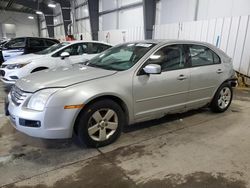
x=182, y=77
x=219, y=71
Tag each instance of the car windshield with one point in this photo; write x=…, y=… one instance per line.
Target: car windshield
x=121, y=57
x=52, y=48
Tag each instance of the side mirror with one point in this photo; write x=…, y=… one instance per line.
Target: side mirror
x=64, y=55
x=152, y=69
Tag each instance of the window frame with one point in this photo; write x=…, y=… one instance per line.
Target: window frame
x=140, y=71
x=204, y=46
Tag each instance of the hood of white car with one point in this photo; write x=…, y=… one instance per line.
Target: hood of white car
x=22, y=59
x=61, y=77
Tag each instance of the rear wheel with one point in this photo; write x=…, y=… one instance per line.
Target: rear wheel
x=100, y=123
x=222, y=98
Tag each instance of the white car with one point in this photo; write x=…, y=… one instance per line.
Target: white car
x=63, y=54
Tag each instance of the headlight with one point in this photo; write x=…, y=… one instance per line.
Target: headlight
x=40, y=98
x=17, y=66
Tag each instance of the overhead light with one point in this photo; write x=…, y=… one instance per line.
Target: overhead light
x=39, y=12
x=52, y=5
x=31, y=17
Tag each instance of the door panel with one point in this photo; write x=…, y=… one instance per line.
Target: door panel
x=207, y=74
x=158, y=94
x=161, y=93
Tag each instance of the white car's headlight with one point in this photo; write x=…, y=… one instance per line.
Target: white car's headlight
x=17, y=66
x=40, y=98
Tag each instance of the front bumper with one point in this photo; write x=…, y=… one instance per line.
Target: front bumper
x=55, y=122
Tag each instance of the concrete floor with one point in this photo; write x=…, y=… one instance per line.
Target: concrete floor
x=196, y=149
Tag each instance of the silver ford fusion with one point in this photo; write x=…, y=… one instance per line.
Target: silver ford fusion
x=128, y=83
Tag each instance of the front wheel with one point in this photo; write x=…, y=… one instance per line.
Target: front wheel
x=100, y=123
x=223, y=98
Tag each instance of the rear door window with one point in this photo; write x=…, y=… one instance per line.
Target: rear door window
x=201, y=56
x=36, y=42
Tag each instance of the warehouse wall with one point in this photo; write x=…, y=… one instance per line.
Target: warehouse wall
x=171, y=11
x=18, y=23
x=80, y=17
x=122, y=19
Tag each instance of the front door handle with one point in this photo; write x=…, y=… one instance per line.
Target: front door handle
x=182, y=77
x=219, y=71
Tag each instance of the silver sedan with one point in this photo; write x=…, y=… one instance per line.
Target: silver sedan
x=129, y=83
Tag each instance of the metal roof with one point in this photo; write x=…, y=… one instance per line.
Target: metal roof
x=10, y=5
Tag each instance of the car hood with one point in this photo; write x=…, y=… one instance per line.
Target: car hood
x=61, y=77
x=22, y=59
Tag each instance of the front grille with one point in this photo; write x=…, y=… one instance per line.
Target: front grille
x=17, y=95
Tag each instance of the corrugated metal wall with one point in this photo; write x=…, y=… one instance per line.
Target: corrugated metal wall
x=232, y=35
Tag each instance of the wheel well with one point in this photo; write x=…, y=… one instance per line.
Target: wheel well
x=113, y=98
x=39, y=69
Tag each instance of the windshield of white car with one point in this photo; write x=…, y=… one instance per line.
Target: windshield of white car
x=121, y=57
x=52, y=48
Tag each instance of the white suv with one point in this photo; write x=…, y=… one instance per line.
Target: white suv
x=63, y=54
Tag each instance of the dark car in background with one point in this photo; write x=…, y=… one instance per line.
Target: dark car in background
x=24, y=45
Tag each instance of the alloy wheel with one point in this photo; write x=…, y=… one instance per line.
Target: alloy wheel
x=102, y=124
x=224, y=98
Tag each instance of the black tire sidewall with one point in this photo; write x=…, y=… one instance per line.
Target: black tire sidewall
x=82, y=126
x=215, y=106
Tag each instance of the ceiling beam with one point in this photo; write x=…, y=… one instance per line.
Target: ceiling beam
x=10, y=2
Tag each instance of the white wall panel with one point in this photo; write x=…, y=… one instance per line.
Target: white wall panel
x=204, y=32
x=232, y=35
x=121, y=35
x=128, y=2
x=84, y=29
x=107, y=5
x=245, y=61
x=131, y=18
x=108, y=21
x=239, y=47
x=173, y=11
x=218, y=32
x=225, y=33
x=211, y=29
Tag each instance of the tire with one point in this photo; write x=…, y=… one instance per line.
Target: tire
x=222, y=98
x=100, y=123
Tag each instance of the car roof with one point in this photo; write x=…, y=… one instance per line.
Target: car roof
x=92, y=41
x=166, y=41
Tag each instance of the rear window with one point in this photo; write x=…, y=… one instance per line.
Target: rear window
x=201, y=55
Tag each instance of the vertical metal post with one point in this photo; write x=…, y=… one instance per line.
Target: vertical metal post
x=149, y=12
x=93, y=6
